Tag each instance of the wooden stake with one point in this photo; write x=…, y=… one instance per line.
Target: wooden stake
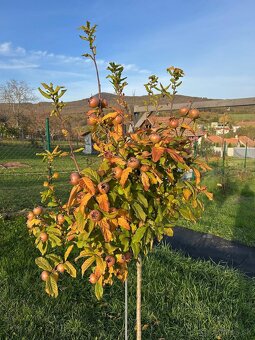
x=139, y=298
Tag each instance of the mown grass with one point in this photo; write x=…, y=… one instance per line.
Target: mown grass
x=182, y=299
x=231, y=214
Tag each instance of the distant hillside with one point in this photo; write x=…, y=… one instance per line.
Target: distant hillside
x=81, y=106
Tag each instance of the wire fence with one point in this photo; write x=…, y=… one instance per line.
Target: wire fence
x=22, y=172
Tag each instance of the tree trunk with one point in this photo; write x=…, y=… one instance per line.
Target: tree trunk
x=138, y=298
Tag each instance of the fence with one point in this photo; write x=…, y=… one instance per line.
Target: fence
x=22, y=172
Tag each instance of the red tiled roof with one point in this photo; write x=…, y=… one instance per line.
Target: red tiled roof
x=233, y=141
x=246, y=140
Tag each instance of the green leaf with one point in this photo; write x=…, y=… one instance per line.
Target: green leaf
x=139, y=211
x=136, y=249
x=70, y=268
x=159, y=217
x=142, y=199
x=99, y=291
x=87, y=264
x=44, y=94
x=92, y=174
x=54, y=258
x=43, y=264
x=139, y=234
x=78, y=150
x=54, y=240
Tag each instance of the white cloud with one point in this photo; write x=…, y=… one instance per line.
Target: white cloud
x=6, y=49
x=76, y=73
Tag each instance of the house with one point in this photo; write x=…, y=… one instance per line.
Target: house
x=223, y=129
x=230, y=143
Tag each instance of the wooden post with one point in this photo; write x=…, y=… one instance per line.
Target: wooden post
x=245, y=156
x=139, y=299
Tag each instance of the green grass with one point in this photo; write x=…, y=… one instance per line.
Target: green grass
x=182, y=299
x=231, y=214
x=238, y=117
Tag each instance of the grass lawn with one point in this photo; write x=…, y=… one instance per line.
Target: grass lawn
x=182, y=299
x=230, y=215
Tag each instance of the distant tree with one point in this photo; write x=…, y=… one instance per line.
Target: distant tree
x=248, y=131
x=16, y=94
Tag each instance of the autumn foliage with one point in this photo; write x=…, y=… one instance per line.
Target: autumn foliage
x=136, y=196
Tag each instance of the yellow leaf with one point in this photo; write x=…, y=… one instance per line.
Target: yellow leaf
x=124, y=176
x=86, y=264
x=68, y=251
x=70, y=268
x=96, y=147
x=101, y=265
x=209, y=195
x=51, y=286
x=103, y=202
x=168, y=232
x=187, y=193
x=105, y=229
x=110, y=115
x=145, y=181
x=123, y=223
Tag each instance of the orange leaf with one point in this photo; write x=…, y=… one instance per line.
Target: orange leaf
x=188, y=127
x=197, y=175
x=105, y=229
x=123, y=223
x=145, y=181
x=117, y=160
x=89, y=185
x=72, y=196
x=103, y=202
x=124, y=176
x=157, y=152
x=85, y=200
x=175, y=156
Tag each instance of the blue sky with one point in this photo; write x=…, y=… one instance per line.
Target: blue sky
x=212, y=40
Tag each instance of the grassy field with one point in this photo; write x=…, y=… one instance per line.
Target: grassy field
x=182, y=299
x=239, y=117
x=231, y=214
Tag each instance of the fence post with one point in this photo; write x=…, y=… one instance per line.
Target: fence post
x=47, y=133
x=245, y=155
